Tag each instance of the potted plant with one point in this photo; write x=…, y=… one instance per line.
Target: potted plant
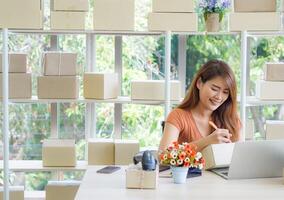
x=181, y=157
x=213, y=12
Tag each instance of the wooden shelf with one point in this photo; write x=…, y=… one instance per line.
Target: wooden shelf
x=36, y=165
x=253, y=101
x=119, y=100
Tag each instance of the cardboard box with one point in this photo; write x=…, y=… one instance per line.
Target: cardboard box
x=117, y=15
x=19, y=14
x=59, y=63
x=255, y=5
x=173, y=6
x=100, y=152
x=249, y=129
x=69, y=5
x=274, y=130
x=218, y=155
x=172, y=22
x=20, y=86
x=138, y=178
x=269, y=90
x=100, y=85
x=16, y=193
x=261, y=21
x=58, y=87
x=17, y=62
x=124, y=151
x=274, y=72
x=153, y=90
x=55, y=190
x=58, y=153
x=67, y=20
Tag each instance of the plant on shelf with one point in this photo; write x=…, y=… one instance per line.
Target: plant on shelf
x=213, y=12
x=181, y=157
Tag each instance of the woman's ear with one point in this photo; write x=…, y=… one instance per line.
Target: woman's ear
x=199, y=83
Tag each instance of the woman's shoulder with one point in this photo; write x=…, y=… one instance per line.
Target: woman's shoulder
x=180, y=112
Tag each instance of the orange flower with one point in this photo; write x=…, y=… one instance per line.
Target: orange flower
x=186, y=164
x=182, y=155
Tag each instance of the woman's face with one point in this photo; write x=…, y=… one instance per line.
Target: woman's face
x=213, y=93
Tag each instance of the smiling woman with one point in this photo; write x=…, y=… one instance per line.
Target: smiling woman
x=212, y=96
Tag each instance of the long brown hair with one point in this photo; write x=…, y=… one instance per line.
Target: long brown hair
x=225, y=116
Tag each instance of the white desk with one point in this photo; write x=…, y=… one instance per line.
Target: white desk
x=209, y=186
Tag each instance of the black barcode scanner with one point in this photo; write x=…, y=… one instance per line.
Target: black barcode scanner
x=147, y=160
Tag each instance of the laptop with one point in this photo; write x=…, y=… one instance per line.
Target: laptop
x=255, y=159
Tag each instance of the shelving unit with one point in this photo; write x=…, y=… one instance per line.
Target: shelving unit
x=90, y=121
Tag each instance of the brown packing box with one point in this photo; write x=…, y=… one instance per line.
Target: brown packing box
x=117, y=15
x=255, y=21
x=21, y=14
x=140, y=179
x=100, y=85
x=218, y=155
x=153, y=90
x=55, y=190
x=58, y=87
x=67, y=20
x=16, y=192
x=20, y=85
x=100, y=152
x=17, y=62
x=255, y=5
x=172, y=22
x=173, y=6
x=58, y=153
x=70, y=5
x=269, y=90
x=274, y=72
x=125, y=150
x=59, y=63
x=274, y=129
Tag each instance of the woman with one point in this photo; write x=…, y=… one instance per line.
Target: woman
x=212, y=96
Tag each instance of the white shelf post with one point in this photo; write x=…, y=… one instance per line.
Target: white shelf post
x=243, y=82
x=167, y=73
x=118, y=70
x=182, y=63
x=55, y=107
x=5, y=108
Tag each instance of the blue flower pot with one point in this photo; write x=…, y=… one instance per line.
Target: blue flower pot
x=179, y=174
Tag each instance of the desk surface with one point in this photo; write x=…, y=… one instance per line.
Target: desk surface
x=209, y=186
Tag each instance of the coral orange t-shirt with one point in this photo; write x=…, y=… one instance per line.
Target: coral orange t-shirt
x=184, y=122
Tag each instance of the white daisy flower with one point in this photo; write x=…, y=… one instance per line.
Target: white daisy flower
x=173, y=162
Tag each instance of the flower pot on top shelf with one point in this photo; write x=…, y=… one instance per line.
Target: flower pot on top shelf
x=212, y=22
x=213, y=12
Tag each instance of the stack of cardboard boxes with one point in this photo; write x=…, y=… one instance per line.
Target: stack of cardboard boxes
x=20, y=82
x=59, y=80
x=255, y=15
x=270, y=89
x=19, y=14
x=173, y=15
x=68, y=14
x=15, y=193
x=114, y=15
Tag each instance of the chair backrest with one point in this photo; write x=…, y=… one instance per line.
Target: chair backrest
x=163, y=126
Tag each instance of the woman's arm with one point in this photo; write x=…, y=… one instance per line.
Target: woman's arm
x=170, y=135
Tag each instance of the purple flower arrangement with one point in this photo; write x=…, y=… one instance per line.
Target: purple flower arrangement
x=214, y=6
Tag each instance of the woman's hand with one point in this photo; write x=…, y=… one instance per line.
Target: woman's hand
x=220, y=136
